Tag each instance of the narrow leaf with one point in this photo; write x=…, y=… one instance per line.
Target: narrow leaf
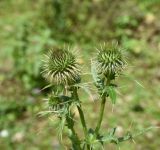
x=112, y=132
x=112, y=94
x=133, y=79
x=46, y=87
x=87, y=90
x=94, y=71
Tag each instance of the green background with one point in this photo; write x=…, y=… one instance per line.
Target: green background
x=28, y=29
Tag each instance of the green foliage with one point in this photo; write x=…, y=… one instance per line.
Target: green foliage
x=31, y=28
x=27, y=40
x=26, y=54
x=112, y=94
x=99, y=83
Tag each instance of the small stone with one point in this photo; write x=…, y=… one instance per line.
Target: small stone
x=80, y=61
x=76, y=113
x=149, y=18
x=119, y=131
x=129, y=98
x=4, y=133
x=18, y=137
x=36, y=91
x=149, y=135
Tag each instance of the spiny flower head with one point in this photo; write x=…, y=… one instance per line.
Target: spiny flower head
x=110, y=60
x=61, y=67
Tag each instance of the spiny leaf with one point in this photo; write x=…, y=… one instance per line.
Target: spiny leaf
x=132, y=78
x=145, y=130
x=94, y=72
x=97, y=79
x=108, y=138
x=113, y=132
x=61, y=126
x=112, y=94
x=46, y=87
x=87, y=90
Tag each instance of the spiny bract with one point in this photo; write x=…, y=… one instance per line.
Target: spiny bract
x=60, y=67
x=110, y=60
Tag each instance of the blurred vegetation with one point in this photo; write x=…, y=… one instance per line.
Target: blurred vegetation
x=28, y=29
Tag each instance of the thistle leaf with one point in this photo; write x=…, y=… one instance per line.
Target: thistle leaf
x=87, y=90
x=112, y=94
x=112, y=132
x=133, y=79
x=46, y=87
x=108, y=138
x=99, y=82
x=61, y=126
x=94, y=72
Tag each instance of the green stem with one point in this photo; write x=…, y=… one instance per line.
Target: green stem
x=100, y=115
x=103, y=102
x=74, y=137
x=82, y=118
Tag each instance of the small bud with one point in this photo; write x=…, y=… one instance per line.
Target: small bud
x=61, y=67
x=58, y=103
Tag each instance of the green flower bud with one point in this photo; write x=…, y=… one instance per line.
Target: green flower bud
x=110, y=61
x=60, y=67
x=58, y=103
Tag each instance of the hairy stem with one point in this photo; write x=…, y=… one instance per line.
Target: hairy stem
x=74, y=137
x=82, y=118
x=100, y=115
x=103, y=102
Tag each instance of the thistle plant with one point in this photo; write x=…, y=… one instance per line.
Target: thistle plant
x=63, y=72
